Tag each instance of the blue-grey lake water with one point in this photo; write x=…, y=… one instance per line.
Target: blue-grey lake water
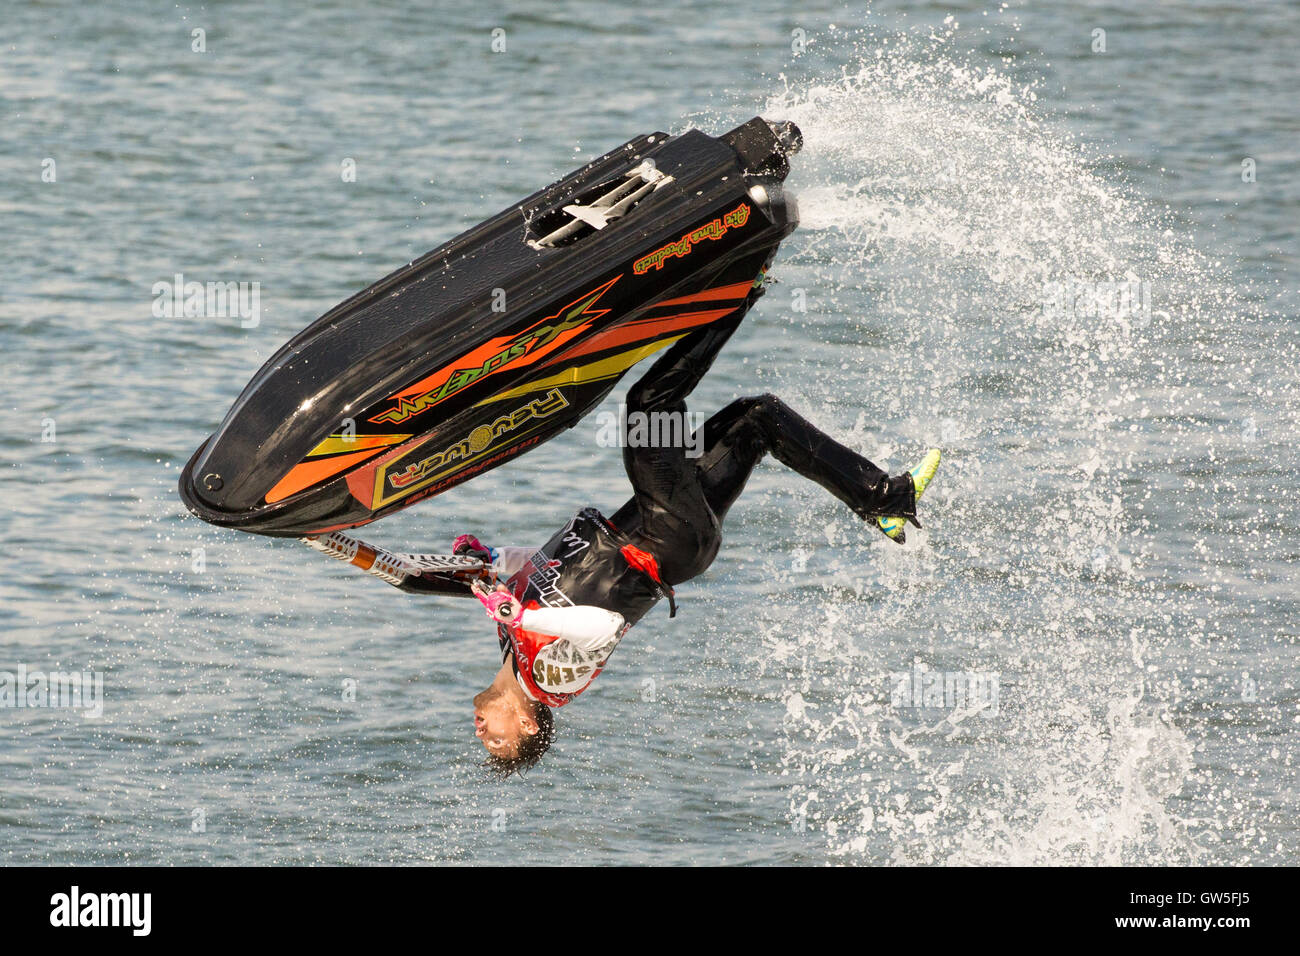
x=1057, y=240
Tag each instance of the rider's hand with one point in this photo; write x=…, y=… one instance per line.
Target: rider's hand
x=501, y=604
x=469, y=545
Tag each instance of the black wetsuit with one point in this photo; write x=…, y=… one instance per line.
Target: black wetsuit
x=671, y=528
x=679, y=503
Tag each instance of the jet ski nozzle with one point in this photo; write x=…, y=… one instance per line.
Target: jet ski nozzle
x=764, y=147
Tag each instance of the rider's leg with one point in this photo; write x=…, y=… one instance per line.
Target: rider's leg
x=668, y=514
x=737, y=438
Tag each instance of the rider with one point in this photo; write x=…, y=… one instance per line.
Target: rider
x=561, y=609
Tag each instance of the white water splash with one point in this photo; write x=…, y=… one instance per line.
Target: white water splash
x=935, y=188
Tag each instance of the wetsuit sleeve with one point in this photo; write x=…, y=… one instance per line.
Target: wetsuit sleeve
x=506, y=561
x=586, y=628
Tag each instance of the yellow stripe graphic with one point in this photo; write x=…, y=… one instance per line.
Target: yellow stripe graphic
x=337, y=444
x=604, y=368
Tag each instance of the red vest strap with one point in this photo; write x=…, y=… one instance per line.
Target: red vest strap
x=645, y=562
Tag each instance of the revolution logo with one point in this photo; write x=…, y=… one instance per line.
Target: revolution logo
x=481, y=438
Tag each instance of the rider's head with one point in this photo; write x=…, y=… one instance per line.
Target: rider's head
x=515, y=729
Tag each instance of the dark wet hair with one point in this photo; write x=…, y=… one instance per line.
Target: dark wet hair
x=531, y=746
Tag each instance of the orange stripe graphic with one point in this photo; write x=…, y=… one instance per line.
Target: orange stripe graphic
x=642, y=329
x=737, y=291
x=309, y=472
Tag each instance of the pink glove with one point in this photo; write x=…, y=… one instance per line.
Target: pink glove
x=501, y=604
x=472, y=546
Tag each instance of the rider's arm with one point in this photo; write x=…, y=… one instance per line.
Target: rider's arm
x=585, y=627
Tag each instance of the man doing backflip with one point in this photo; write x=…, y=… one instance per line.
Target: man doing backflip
x=561, y=609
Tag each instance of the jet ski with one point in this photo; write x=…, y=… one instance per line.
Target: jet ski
x=499, y=339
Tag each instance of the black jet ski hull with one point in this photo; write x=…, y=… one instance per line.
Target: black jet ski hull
x=491, y=344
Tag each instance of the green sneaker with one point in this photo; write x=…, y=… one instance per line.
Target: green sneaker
x=921, y=477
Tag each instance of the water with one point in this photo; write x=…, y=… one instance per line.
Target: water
x=1114, y=531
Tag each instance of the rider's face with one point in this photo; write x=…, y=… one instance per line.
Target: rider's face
x=497, y=724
